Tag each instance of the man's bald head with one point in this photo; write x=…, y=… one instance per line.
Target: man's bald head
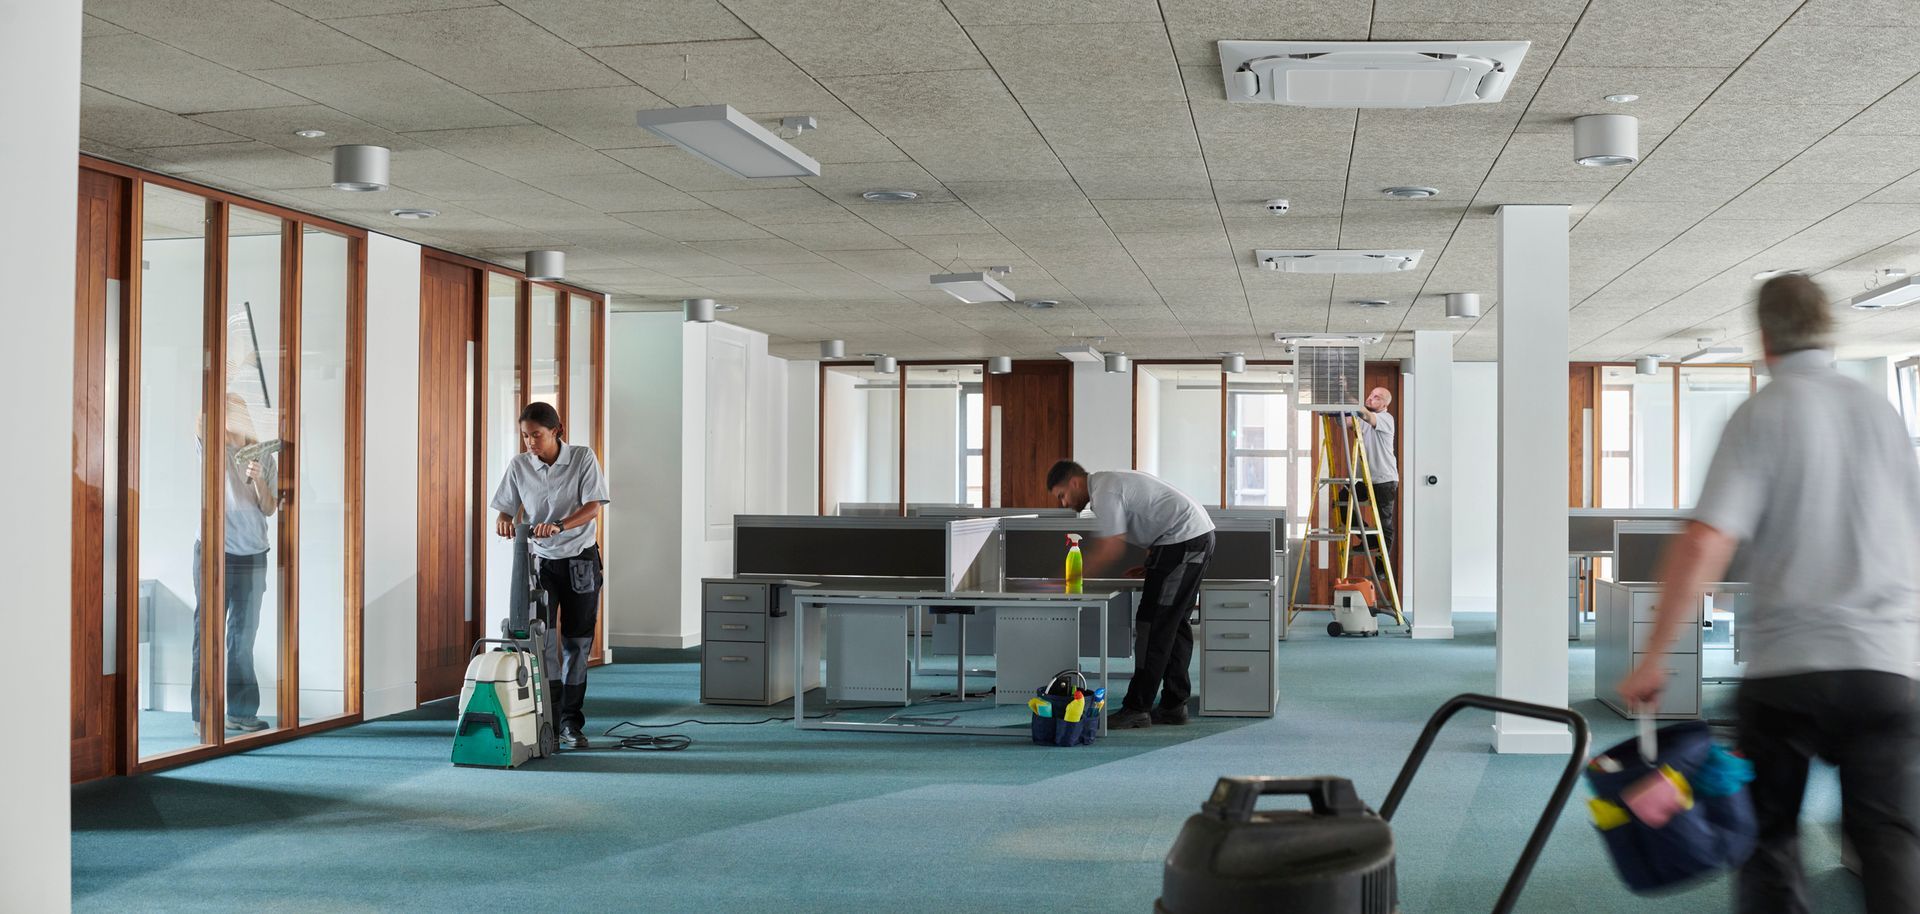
x=1378, y=399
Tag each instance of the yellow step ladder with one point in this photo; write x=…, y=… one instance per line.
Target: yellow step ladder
x=1347, y=522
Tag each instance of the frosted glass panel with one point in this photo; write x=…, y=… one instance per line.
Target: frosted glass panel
x=322, y=443
x=502, y=432
x=582, y=417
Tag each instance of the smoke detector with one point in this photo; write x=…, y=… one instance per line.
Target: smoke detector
x=1338, y=261
x=890, y=196
x=1369, y=74
x=1410, y=193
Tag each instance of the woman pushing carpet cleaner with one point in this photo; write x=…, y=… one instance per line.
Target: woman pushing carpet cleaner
x=504, y=711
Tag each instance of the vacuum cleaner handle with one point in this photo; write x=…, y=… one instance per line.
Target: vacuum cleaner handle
x=1233, y=799
x=1523, y=868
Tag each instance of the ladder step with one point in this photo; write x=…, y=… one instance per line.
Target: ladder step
x=1342, y=480
x=1337, y=537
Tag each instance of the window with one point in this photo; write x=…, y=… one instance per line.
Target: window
x=860, y=440
x=1907, y=376
x=1179, y=435
x=973, y=438
x=1658, y=432
x=1258, y=442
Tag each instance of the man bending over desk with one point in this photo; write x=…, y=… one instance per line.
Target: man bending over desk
x=1133, y=507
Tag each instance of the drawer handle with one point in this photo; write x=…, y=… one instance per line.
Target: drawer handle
x=1236, y=669
x=734, y=597
x=1235, y=636
x=1236, y=606
x=733, y=660
x=732, y=627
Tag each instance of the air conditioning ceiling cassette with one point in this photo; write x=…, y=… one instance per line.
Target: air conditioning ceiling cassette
x=1369, y=74
x=1338, y=261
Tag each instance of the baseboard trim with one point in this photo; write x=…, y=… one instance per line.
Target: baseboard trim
x=671, y=642
x=390, y=700
x=1433, y=632
x=1526, y=736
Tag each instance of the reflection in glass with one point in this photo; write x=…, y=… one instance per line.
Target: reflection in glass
x=942, y=433
x=323, y=474
x=543, y=375
x=1178, y=436
x=1257, y=436
x=1636, y=438
x=172, y=342
x=860, y=439
x=501, y=435
x=250, y=462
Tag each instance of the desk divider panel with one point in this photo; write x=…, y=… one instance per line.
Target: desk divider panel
x=802, y=546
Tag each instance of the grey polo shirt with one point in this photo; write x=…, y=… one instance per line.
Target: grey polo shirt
x=1377, y=437
x=549, y=492
x=1145, y=510
x=1816, y=477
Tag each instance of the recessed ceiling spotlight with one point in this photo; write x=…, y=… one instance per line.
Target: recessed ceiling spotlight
x=310, y=133
x=1765, y=275
x=1621, y=98
x=413, y=214
x=724, y=308
x=1410, y=193
x=1372, y=302
x=1042, y=304
x=890, y=196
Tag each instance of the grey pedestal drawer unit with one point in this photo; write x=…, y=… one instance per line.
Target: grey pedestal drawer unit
x=1235, y=643
x=746, y=643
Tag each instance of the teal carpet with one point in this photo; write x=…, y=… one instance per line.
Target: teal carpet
x=764, y=818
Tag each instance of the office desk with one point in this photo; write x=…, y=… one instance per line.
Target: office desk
x=1625, y=616
x=878, y=637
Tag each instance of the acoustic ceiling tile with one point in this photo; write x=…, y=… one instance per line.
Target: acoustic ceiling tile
x=141, y=69
x=393, y=94
x=856, y=37
x=110, y=119
x=523, y=151
x=1196, y=25
x=617, y=192
x=251, y=33
x=484, y=50
x=1069, y=64
x=748, y=74
x=602, y=118
x=588, y=23
x=1636, y=33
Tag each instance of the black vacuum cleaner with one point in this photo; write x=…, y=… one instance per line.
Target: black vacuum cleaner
x=1338, y=858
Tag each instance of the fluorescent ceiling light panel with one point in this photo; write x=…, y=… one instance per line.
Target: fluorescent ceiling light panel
x=1369, y=74
x=1709, y=351
x=1082, y=352
x=972, y=288
x=730, y=141
x=1338, y=261
x=1896, y=294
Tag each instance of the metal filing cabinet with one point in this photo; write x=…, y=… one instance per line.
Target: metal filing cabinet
x=1237, y=633
x=746, y=650
x=1626, y=616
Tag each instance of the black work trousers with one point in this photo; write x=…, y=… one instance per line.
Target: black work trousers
x=1862, y=722
x=1163, y=636
x=573, y=594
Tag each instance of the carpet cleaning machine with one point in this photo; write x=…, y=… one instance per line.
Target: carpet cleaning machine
x=1338, y=858
x=505, y=711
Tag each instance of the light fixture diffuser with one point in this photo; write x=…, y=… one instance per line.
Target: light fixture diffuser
x=730, y=141
x=972, y=288
x=1895, y=294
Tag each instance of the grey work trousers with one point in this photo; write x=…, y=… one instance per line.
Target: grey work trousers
x=1864, y=723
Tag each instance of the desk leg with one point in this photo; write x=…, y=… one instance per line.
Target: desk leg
x=800, y=663
x=1106, y=686
x=960, y=666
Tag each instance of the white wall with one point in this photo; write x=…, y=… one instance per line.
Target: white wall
x=1102, y=417
x=933, y=445
x=40, y=65
x=845, y=447
x=1476, y=434
x=1189, y=437
x=698, y=435
x=803, y=438
x=392, y=575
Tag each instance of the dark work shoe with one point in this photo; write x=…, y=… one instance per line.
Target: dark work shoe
x=572, y=738
x=1129, y=720
x=247, y=724
x=1175, y=716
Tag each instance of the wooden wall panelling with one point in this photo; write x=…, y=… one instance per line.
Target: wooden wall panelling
x=292, y=303
x=129, y=582
x=92, y=699
x=213, y=405
x=1580, y=456
x=1036, y=423
x=356, y=501
x=447, y=314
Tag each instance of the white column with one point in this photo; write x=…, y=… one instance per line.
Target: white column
x=646, y=540
x=1530, y=647
x=391, y=653
x=1428, y=488
x=40, y=68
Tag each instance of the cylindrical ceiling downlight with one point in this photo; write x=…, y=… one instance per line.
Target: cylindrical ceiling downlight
x=1116, y=362
x=700, y=310
x=1646, y=364
x=1000, y=364
x=885, y=364
x=1233, y=362
x=361, y=168
x=1606, y=139
x=1463, y=304
x=833, y=349
x=546, y=266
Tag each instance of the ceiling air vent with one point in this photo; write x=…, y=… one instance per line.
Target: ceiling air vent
x=1369, y=74
x=1338, y=261
x=1330, y=375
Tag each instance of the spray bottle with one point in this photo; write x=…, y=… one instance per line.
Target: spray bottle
x=1074, y=563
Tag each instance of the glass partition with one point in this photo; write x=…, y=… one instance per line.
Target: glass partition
x=941, y=430
x=1178, y=434
x=250, y=462
x=1259, y=444
x=582, y=417
x=1636, y=438
x=321, y=441
x=172, y=421
x=860, y=440
x=543, y=366
x=501, y=434
x=1708, y=397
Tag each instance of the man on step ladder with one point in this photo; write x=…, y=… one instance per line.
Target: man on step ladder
x=1377, y=437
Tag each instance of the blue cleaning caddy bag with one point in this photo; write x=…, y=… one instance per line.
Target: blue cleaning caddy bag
x=1066, y=712
x=1672, y=806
